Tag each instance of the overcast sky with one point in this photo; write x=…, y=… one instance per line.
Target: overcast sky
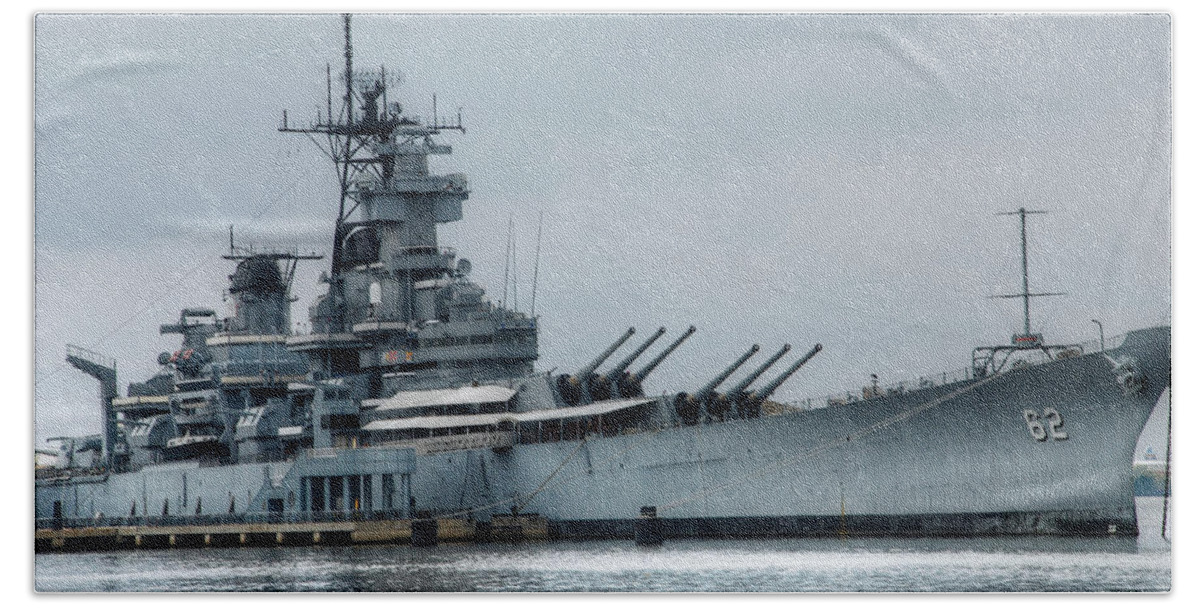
x=771, y=179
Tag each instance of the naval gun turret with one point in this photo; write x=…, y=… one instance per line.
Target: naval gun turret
x=718, y=406
x=630, y=385
x=749, y=405
x=600, y=386
x=688, y=406
x=573, y=388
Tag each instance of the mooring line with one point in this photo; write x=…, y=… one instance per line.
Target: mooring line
x=1167, y=473
x=546, y=483
x=521, y=504
x=646, y=436
x=517, y=499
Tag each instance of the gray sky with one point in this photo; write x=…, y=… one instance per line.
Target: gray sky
x=771, y=179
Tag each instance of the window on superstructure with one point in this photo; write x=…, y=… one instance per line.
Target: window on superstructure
x=389, y=488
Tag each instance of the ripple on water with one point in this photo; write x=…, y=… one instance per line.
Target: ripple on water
x=1022, y=564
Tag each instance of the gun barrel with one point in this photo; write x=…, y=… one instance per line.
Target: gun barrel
x=645, y=371
x=740, y=387
x=727, y=372
x=764, y=392
x=637, y=352
x=591, y=367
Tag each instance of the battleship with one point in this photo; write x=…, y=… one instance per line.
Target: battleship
x=411, y=395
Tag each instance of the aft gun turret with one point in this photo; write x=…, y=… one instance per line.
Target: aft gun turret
x=688, y=405
x=750, y=404
x=720, y=403
x=572, y=389
x=600, y=386
x=630, y=385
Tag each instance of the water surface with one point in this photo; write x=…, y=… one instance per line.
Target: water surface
x=764, y=565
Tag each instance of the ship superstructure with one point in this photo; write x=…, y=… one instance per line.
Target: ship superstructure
x=413, y=393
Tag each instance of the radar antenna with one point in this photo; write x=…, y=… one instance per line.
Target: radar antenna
x=289, y=257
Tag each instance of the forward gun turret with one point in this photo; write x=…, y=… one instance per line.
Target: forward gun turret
x=720, y=403
x=572, y=388
x=688, y=405
x=750, y=404
x=600, y=386
x=630, y=385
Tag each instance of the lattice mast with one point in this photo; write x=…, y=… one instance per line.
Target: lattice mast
x=375, y=144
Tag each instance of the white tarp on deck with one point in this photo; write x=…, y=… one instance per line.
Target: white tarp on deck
x=442, y=422
x=591, y=409
x=463, y=395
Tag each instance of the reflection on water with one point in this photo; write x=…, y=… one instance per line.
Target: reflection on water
x=827, y=564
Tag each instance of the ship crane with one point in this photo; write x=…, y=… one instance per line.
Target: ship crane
x=104, y=370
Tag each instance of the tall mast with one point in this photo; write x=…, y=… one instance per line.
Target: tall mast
x=349, y=105
x=1027, y=338
x=1024, y=268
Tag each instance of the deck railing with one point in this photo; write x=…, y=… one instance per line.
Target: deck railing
x=91, y=356
x=934, y=379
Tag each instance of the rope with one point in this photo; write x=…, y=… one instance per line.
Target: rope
x=545, y=484
x=770, y=467
x=562, y=464
x=1167, y=474
x=646, y=437
x=516, y=499
x=498, y=503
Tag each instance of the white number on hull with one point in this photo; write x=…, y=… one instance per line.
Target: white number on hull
x=1038, y=431
x=1055, y=420
x=1035, y=425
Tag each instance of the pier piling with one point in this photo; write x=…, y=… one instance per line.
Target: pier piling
x=648, y=528
x=424, y=532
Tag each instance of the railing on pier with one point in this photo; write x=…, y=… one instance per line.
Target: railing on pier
x=45, y=523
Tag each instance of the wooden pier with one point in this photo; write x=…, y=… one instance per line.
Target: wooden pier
x=397, y=531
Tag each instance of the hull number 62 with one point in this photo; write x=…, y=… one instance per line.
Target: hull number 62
x=1052, y=427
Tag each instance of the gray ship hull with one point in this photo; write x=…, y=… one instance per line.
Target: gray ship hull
x=959, y=458
x=410, y=394
x=955, y=459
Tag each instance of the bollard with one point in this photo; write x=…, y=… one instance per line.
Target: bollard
x=424, y=533
x=648, y=528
